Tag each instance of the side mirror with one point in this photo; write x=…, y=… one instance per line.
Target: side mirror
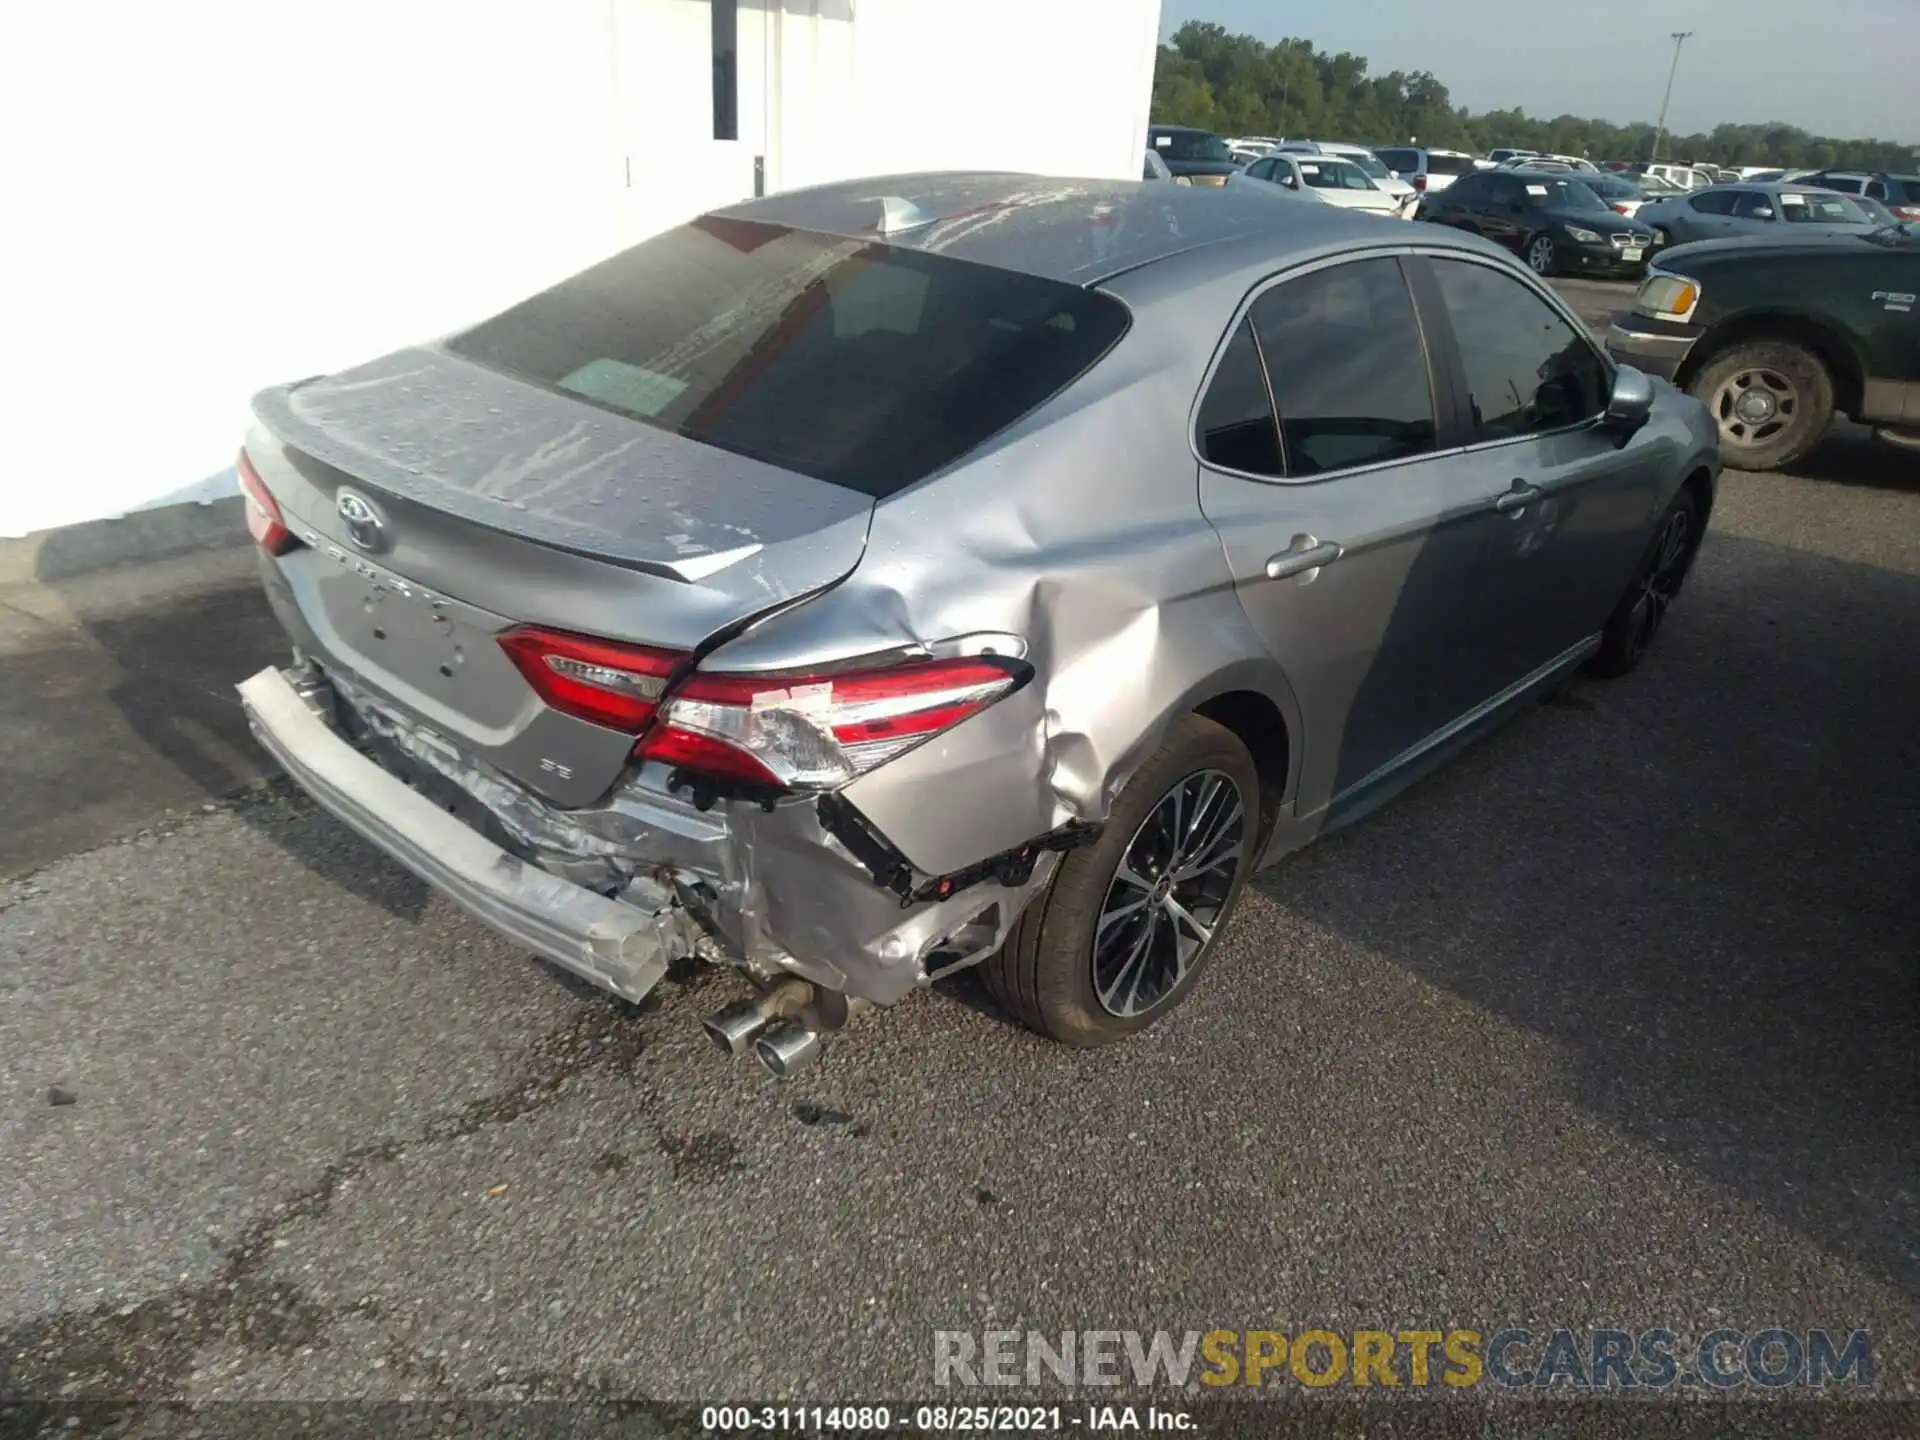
x=1631, y=403
x=1763, y=212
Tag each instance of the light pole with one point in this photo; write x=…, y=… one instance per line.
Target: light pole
x=1679, y=39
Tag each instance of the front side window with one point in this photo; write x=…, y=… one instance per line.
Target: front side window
x=1752, y=205
x=1236, y=427
x=1470, y=191
x=1714, y=202
x=1526, y=369
x=1348, y=367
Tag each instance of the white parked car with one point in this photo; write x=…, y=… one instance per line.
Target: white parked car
x=1327, y=178
x=1404, y=195
x=1685, y=176
x=1428, y=171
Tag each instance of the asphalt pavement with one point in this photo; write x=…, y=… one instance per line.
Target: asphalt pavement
x=1612, y=1023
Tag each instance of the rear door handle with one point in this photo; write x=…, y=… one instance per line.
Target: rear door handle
x=1304, y=554
x=1518, y=498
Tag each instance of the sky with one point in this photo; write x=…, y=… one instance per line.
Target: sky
x=1844, y=68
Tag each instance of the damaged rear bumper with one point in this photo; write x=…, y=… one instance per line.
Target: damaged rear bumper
x=620, y=945
x=617, y=891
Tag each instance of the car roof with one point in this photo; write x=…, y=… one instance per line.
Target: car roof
x=1078, y=231
x=1179, y=129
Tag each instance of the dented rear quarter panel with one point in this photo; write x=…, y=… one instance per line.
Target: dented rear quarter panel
x=1079, y=531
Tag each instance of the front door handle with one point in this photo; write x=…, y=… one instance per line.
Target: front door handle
x=1518, y=498
x=1304, y=554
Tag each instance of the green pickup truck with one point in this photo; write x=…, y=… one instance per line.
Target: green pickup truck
x=1776, y=336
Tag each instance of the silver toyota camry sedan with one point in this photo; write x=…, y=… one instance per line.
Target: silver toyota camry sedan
x=876, y=580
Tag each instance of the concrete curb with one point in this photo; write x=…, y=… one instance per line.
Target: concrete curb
x=155, y=534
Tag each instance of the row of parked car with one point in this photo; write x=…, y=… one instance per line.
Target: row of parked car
x=1562, y=214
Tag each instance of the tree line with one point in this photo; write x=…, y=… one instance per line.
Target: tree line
x=1237, y=85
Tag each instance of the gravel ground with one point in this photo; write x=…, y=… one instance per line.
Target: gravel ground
x=1610, y=1024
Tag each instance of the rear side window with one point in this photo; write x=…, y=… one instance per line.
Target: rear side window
x=1526, y=369
x=1405, y=161
x=1236, y=417
x=856, y=363
x=1348, y=367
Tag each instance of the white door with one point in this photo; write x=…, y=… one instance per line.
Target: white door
x=690, y=91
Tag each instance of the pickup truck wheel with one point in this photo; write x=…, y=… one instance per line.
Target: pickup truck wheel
x=1772, y=400
x=1655, y=586
x=1126, y=925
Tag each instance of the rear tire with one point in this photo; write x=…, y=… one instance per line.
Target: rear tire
x=1773, y=402
x=1062, y=971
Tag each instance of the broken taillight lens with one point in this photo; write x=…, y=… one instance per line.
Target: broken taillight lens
x=609, y=683
x=264, y=520
x=820, y=731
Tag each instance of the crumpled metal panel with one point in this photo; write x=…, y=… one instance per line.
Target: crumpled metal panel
x=782, y=895
x=1078, y=531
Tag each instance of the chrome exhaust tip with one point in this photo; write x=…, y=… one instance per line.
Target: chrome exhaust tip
x=787, y=1049
x=733, y=1027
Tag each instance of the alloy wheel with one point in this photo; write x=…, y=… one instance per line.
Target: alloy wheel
x=1754, y=406
x=1169, y=893
x=1540, y=255
x=1660, y=582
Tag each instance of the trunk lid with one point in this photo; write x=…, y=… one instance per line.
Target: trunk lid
x=441, y=503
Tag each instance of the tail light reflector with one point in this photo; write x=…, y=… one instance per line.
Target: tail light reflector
x=820, y=731
x=264, y=521
x=603, y=681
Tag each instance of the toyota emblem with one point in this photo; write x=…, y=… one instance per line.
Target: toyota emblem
x=365, y=528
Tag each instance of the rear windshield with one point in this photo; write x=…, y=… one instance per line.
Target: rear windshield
x=856, y=363
x=1450, y=164
x=1190, y=145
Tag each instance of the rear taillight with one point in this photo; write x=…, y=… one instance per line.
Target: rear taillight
x=1420, y=183
x=611, y=684
x=264, y=520
x=1906, y=212
x=819, y=731
x=1620, y=207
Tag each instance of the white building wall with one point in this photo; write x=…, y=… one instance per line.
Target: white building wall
x=208, y=196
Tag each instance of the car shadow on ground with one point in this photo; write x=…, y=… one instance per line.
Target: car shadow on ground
x=1851, y=456
x=1699, y=882
x=123, y=700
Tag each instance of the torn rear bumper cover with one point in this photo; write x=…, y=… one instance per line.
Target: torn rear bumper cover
x=621, y=945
